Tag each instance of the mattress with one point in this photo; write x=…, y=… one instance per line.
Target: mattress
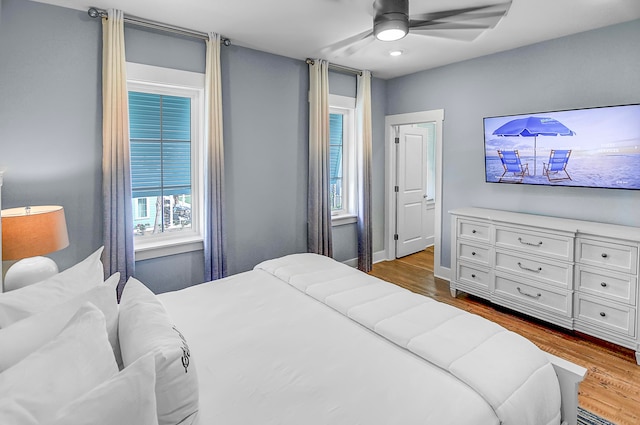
x=304, y=339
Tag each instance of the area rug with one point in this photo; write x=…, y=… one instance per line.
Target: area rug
x=587, y=418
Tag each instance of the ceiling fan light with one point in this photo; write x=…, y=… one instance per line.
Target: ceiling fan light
x=391, y=34
x=391, y=26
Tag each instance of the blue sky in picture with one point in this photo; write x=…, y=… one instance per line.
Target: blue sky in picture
x=596, y=131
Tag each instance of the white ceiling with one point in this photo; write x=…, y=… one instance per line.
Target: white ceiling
x=304, y=28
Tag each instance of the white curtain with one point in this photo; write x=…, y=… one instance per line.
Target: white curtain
x=318, y=207
x=118, y=255
x=214, y=237
x=363, y=129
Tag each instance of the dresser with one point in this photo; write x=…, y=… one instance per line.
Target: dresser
x=576, y=274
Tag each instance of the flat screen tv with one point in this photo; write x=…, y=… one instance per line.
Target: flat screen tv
x=590, y=147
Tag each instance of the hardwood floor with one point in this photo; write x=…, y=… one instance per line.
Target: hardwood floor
x=611, y=388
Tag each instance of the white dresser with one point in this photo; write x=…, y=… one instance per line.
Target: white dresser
x=576, y=274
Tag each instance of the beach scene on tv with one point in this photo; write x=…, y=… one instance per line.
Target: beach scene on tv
x=595, y=147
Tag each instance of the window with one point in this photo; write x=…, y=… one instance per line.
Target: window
x=140, y=209
x=166, y=145
x=342, y=159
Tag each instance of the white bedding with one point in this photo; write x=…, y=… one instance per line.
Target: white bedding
x=268, y=353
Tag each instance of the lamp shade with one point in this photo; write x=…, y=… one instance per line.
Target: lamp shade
x=32, y=231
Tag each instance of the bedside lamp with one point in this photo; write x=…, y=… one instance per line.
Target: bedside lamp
x=27, y=234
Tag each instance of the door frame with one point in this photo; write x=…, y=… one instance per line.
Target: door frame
x=390, y=121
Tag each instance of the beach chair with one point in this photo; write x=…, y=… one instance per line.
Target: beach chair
x=511, y=164
x=557, y=165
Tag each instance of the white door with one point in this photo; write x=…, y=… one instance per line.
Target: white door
x=411, y=217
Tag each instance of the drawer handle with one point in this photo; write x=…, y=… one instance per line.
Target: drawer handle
x=538, y=295
x=529, y=243
x=473, y=253
x=604, y=255
x=473, y=275
x=528, y=269
x=473, y=231
x=603, y=284
x=603, y=314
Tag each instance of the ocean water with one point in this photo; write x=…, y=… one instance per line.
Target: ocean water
x=612, y=171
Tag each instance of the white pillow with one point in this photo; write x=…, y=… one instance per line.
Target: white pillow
x=127, y=398
x=25, y=336
x=145, y=327
x=76, y=361
x=23, y=302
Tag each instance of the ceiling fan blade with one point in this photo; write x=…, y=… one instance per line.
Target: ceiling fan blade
x=444, y=25
x=460, y=24
x=470, y=13
x=357, y=46
x=350, y=45
x=462, y=31
x=484, y=21
x=450, y=34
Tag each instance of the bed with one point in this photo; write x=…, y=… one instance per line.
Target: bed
x=298, y=339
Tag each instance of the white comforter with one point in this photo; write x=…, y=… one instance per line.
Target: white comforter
x=266, y=353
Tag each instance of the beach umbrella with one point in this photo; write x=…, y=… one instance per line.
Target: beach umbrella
x=533, y=127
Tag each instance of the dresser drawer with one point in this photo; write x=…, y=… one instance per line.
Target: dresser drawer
x=474, y=230
x=606, y=315
x=620, y=257
x=611, y=285
x=556, y=301
x=474, y=253
x=533, y=267
x=474, y=276
x=531, y=241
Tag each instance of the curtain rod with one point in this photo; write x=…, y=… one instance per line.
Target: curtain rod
x=140, y=22
x=337, y=67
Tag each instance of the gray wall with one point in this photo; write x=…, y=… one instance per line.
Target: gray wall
x=265, y=119
x=51, y=148
x=50, y=117
x=594, y=68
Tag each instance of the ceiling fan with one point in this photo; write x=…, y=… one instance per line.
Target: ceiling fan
x=392, y=22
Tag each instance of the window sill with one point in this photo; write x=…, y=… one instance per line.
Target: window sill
x=340, y=220
x=163, y=248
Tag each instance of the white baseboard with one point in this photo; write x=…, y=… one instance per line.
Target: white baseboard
x=443, y=273
x=377, y=257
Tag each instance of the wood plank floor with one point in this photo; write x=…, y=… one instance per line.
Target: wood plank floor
x=611, y=388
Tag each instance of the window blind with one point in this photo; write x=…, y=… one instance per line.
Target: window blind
x=336, y=127
x=335, y=146
x=160, y=140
